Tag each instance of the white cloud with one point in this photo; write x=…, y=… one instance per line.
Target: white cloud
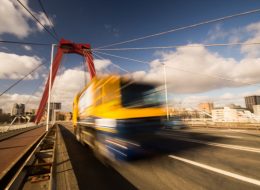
x=247, y=34
x=67, y=85
x=15, y=66
x=7, y=101
x=193, y=70
x=15, y=20
x=101, y=64
x=227, y=95
x=28, y=48
x=43, y=20
x=193, y=101
x=216, y=33
x=252, y=50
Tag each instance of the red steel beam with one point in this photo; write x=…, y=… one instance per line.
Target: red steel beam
x=65, y=46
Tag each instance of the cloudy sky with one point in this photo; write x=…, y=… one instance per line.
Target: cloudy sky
x=194, y=73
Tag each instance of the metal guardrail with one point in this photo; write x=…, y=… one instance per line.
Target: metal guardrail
x=34, y=168
x=230, y=125
x=9, y=134
x=7, y=128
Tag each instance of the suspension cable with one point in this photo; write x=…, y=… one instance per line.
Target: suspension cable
x=179, y=69
x=49, y=20
x=111, y=63
x=178, y=46
x=21, y=79
x=184, y=27
x=24, y=43
x=37, y=20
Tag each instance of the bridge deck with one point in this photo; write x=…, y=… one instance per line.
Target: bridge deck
x=12, y=148
x=78, y=168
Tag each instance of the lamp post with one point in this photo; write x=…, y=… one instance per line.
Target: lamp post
x=166, y=91
x=50, y=82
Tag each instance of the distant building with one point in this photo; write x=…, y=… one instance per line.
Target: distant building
x=54, y=106
x=15, y=109
x=252, y=100
x=18, y=109
x=226, y=114
x=21, y=110
x=206, y=107
x=1, y=111
x=63, y=116
x=256, y=109
x=234, y=106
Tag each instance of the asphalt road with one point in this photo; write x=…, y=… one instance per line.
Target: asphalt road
x=90, y=173
x=182, y=159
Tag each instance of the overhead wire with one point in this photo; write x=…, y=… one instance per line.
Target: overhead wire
x=84, y=71
x=37, y=20
x=180, y=69
x=178, y=46
x=34, y=91
x=183, y=27
x=49, y=20
x=96, y=57
x=18, y=81
x=87, y=57
x=112, y=63
x=24, y=43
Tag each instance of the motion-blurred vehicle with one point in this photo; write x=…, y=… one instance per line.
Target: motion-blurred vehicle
x=117, y=116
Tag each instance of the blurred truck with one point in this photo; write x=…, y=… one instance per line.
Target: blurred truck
x=117, y=116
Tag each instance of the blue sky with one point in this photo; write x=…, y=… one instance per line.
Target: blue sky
x=102, y=22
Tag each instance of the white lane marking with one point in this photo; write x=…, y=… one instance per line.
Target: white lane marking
x=236, y=130
x=220, y=171
x=232, y=136
x=236, y=147
x=117, y=150
x=187, y=134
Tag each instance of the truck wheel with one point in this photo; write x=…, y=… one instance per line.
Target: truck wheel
x=99, y=152
x=102, y=153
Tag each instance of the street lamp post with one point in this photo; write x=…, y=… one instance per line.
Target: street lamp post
x=50, y=82
x=166, y=91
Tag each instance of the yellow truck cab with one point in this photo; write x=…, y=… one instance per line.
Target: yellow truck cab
x=112, y=113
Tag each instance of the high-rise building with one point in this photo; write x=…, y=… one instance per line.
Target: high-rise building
x=21, y=110
x=256, y=109
x=15, y=109
x=252, y=100
x=206, y=106
x=18, y=109
x=53, y=107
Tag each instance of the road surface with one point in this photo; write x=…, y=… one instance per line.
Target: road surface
x=183, y=159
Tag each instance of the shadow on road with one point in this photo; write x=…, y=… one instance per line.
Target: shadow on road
x=169, y=142
x=89, y=171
